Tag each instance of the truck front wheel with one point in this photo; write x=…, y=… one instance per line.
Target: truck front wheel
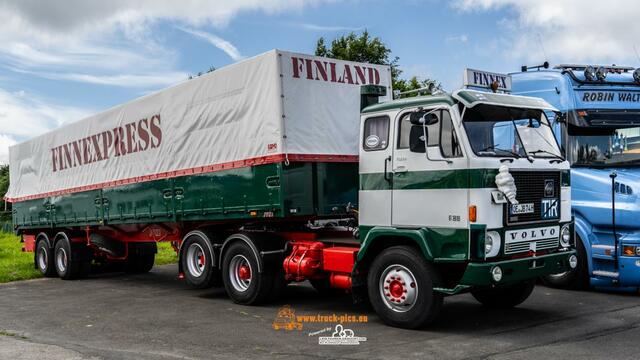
x=242, y=281
x=506, y=297
x=400, y=285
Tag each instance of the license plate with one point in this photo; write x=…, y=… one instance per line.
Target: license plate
x=548, y=232
x=519, y=209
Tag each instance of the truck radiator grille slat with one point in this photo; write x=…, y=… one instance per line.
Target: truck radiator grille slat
x=525, y=246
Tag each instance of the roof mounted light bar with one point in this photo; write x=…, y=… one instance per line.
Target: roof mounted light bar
x=581, y=67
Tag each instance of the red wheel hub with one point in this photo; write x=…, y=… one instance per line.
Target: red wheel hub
x=201, y=260
x=244, y=272
x=396, y=289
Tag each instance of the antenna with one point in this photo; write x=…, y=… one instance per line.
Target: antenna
x=544, y=52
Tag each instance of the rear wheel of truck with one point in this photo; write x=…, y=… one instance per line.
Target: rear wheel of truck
x=71, y=261
x=575, y=279
x=197, y=263
x=505, y=297
x=44, y=259
x=141, y=258
x=242, y=281
x=400, y=285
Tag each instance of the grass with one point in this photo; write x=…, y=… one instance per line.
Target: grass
x=17, y=265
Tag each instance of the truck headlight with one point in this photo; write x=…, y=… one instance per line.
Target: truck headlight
x=491, y=244
x=636, y=75
x=590, y=73
x=601, y=73
x=565, y=236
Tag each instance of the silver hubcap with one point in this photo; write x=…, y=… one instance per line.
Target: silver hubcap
x=43, y=259
x=398, y=288
x=240, y=273
x=196, y=260
x=61, y=260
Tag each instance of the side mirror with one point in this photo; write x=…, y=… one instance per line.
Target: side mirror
x=417, y=140
x=421, y=117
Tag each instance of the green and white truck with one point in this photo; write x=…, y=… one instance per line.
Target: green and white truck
x=288, y=167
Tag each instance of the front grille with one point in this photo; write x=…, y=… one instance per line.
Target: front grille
x=525, y=246
x=530, y=187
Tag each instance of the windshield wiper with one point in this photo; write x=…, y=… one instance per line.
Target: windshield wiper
x=494, y=148
x=556, y=156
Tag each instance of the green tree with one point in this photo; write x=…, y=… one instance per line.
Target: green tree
x=4, y=186
x=365, y=48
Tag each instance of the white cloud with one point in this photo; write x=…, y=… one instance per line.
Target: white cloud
x=216, y=41
x=464, y=38
x=570, y=30
x=23, y=115
x=104, y=42
x=328, y=28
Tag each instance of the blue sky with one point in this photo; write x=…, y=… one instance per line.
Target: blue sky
x=64, y=60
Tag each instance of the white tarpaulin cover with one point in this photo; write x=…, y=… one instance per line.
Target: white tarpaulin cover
x=274, y=107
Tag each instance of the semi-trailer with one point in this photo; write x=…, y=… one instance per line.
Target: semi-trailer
x=288, y=167
x=598, y=127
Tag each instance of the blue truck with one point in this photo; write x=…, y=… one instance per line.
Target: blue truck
x=599, y=131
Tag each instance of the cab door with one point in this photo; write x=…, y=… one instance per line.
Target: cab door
x=430, y=186
x=374, y=197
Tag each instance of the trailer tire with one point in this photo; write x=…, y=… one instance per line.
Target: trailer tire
x=506, y=297
x=43, y=259
x=140, y=257
x=197, y=263
x=242, y=281
x=71, y=261
x=400, y=285
x=575, y=279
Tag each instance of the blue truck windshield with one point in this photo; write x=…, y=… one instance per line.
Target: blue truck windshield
x=510, y=132
x=604, y=146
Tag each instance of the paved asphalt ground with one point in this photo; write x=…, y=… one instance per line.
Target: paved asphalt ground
x=156, y=316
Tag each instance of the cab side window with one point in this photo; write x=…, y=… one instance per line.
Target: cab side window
x=440, y=134
x=376, y=133
x=449, y=144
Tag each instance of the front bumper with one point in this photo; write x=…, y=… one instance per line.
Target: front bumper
x=478, y=274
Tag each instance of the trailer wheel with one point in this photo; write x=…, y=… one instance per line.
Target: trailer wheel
x=575, y=279
x=44, y=259
x=70, y=262
x=506, y=297
x=242, y=281
x=197, y=263
x=400, y=285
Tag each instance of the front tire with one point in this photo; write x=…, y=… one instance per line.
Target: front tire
x=400, y=284
x=242, y=281
x=574, y=279
x=506, y=297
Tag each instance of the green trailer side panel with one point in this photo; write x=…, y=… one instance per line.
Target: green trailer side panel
x=312, y=189
x=150, y=201
x=83, y=208
x=229, y=194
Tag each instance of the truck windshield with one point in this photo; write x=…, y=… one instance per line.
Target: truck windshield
x=510, y=132
x=592, y=146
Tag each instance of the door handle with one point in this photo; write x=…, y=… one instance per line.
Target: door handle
x=386, y=161
x=400, y=169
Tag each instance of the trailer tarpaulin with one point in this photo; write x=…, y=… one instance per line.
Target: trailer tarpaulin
x=278, y=106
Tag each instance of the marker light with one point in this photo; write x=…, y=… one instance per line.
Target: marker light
x=601, y=73
x=590, y=73
x=473, y=213
x=636, y=75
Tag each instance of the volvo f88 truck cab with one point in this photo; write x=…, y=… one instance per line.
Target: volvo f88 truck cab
x=599, y=130
x=477, y=183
